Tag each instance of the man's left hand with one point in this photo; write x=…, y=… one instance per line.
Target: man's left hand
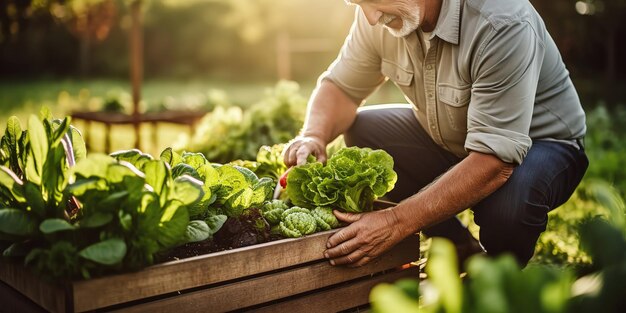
x=368, y=236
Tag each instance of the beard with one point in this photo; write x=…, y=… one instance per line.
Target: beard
x=410, y=17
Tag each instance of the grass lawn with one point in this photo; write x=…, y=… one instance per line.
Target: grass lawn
x=22, y=98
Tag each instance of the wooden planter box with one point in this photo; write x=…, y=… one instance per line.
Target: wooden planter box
x=284, y=275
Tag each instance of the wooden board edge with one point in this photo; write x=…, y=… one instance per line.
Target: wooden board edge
x=339, y=298
x=50, y=297
x=275, y=285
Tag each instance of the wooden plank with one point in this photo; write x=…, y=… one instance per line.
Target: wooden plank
x=198, y=271
x=340, y=298
x=51, y=297
x=280, y=284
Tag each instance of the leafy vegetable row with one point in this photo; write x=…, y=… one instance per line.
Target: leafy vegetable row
x=71, y=215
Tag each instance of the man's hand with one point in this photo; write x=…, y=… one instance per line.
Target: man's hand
x=367, y=237
x=301, y=147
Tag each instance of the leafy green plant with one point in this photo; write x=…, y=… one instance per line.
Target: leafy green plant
x=34, y=171
x=229, y=134
x=351, y=180
x=500, y=285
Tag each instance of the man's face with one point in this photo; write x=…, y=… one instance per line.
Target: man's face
x=399, y=17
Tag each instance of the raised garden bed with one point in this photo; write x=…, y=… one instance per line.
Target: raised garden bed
x=288, y=274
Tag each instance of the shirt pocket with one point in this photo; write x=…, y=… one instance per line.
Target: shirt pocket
x=402, y=77
x=455, y=101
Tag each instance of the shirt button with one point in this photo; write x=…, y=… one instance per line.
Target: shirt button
x=430, y=95
x=429, y=67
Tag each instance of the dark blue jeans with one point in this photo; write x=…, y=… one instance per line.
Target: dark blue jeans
x=511, y=218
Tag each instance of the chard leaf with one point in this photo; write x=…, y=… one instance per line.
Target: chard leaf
x=78, y=144
x=10, y=141
x=215, y=222
x=126, y=220
x=173, y=225
x=108, y=252
x=114, y=200
x=17, y=222
x=11, y=185
x=96, y=219
x=186, y=189
x=85, y=185
x=62, y=126
x=195, y=160
x=157, y=175
x=197, y=231
x=39, y=149
x=117, y=172
x=95, y=165
x=34, y=198
x=170, y=157
x=54, y=178
x=184, y=169
x=53, y=225
x=133, y=156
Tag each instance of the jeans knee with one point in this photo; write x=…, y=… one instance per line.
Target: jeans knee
x=512, y=229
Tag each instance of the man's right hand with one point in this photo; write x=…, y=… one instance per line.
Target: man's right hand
x=299, y=149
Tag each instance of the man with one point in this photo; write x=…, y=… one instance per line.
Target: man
x=494, y=123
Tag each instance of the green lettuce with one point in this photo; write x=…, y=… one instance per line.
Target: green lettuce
x=351, y=180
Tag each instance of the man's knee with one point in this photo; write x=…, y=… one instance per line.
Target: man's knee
x=511, y=225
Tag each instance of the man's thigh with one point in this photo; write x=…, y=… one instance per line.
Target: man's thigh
x=394, y=128
x=513, y=217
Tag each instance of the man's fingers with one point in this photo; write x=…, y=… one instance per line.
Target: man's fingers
x=341, y=237
x=356, y=257
x=302, y=153
x=347, y=217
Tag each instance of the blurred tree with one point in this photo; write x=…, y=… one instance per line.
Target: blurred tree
x=89, y=21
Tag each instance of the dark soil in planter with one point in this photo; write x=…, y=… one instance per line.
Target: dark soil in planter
x=248, y=229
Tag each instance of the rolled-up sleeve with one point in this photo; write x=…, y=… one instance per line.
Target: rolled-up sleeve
x=505, y=76
x=356, y=70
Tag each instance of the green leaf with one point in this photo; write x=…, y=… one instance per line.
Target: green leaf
x=11, y=185
x=117, y=172
x=35, y=199
x=215, y=222
x=53, y=225
x=17, y=222
x=133, y=156
x=94, y=165
x=186, y=189
x=62, y=126
x=195, y=160
x=10, y=142
x=387, y=298
x=157, y=175
x=197, y=231
x=184, y=169
x=39, y=149
x=96, y=219
x=78, y=144
x=238, y=202
x=170, y=157
x=108, y=252
x=173, y=225
x=443, y=272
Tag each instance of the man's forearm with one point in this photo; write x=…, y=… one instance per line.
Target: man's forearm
x=330, y=113
x=464, y=185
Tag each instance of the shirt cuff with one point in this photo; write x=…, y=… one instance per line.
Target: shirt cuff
x=508, y=146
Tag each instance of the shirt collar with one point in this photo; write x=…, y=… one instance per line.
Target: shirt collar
x=449, y=22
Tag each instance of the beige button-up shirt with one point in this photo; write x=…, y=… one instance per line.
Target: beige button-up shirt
x=491, y=81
